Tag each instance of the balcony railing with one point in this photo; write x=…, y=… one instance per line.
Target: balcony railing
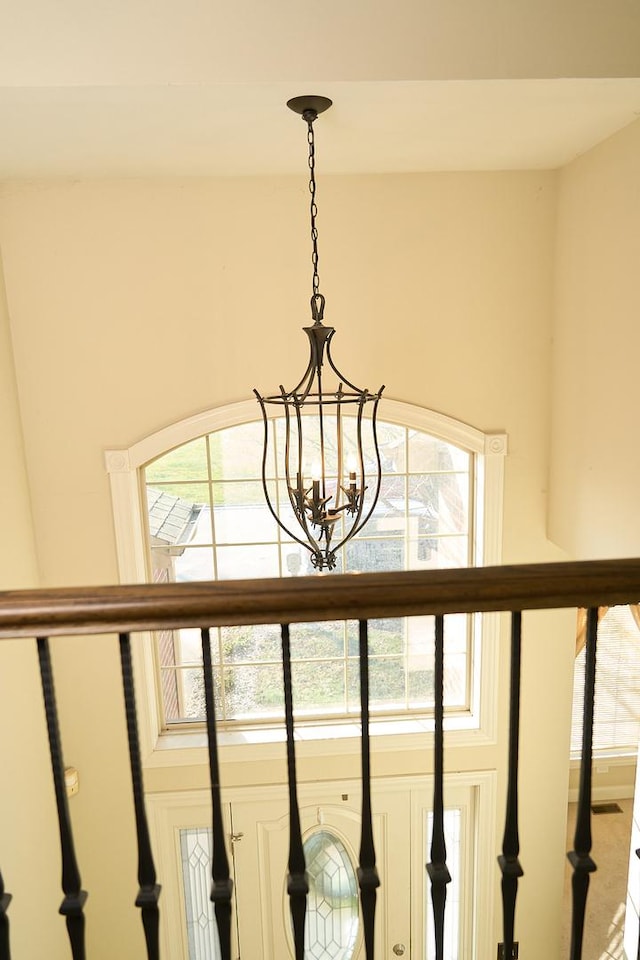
x=41, y=614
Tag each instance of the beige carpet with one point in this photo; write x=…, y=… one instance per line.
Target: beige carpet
x=604, y=927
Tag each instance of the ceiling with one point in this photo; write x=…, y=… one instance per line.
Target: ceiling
x=381, y=127
x=132, y=88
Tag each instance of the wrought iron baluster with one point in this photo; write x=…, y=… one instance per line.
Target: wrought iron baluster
x=5, y=900
x=149, y=890
x=437, y=869
x=509, y=862
x=579, y=857
x=297, y=882
x=72, y=905
x=367, y=873
x=221, y=882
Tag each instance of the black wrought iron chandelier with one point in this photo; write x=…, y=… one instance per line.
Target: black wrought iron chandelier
x=329, y=455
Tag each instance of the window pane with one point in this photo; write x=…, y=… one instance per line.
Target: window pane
x=195, y=854
x=295, y=560
x=438, y=553
x=177, y=514
x=203, y=533
x=452, y=919
x=368, y=445
x=252, y=691
x=331, y=927
x=387, y=683
x=421, y=688
x=311, y=446
x=420, y=659
x=428, y=454
x=170, y=695
x=392, y=441
x=187, y=462
x=188, y=645
x=194, y=563
x=285, y=510
x=390, y=514
x=241, y=515
x=385, y=636
x=190, y=703
x=310, y=641
x=439, y=503
x=375, y=556
x=248, y=562
x=251, y=644
x=236, y=453
x=319, y=687
x=413, y=640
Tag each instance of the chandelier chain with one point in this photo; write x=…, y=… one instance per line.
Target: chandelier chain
x=313, y=209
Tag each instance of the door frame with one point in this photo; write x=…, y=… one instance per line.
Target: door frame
x=169, y=812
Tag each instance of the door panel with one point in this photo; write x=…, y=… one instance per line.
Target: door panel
x=261, y=868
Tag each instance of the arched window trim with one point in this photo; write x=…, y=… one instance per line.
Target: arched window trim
x=123, y=467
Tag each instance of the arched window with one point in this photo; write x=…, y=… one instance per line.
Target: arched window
x=202, y=516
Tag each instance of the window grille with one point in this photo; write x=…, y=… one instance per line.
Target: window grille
x=206, y=519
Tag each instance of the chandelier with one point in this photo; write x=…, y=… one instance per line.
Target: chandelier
x=323, y=445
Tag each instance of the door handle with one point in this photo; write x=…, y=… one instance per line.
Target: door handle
x=398, y=949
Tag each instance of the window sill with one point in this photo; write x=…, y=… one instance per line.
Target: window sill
x=189, y=747
x=602, y=759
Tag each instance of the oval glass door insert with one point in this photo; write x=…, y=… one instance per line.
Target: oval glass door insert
x=331, y=928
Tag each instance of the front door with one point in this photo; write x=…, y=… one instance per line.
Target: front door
x=330, y=821
x=258, y=830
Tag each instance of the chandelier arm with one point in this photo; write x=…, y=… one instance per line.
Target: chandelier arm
x=297, y=507
x=361, y=521
x=341, y=376
x=313, y=546
x=307, y=378
x=374, y=430
x=338, y=499
x=356, y=522
x=323, y=473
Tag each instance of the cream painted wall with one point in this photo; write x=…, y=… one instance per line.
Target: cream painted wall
x=135, y=304
x=595, y=461
x=26, y=798
x=19, y=565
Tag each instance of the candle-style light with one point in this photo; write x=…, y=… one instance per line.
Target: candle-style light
x=323, y=507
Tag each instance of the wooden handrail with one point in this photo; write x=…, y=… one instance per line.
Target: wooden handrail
x=92, y=610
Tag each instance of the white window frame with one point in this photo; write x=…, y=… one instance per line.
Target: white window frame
x=160, y=748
